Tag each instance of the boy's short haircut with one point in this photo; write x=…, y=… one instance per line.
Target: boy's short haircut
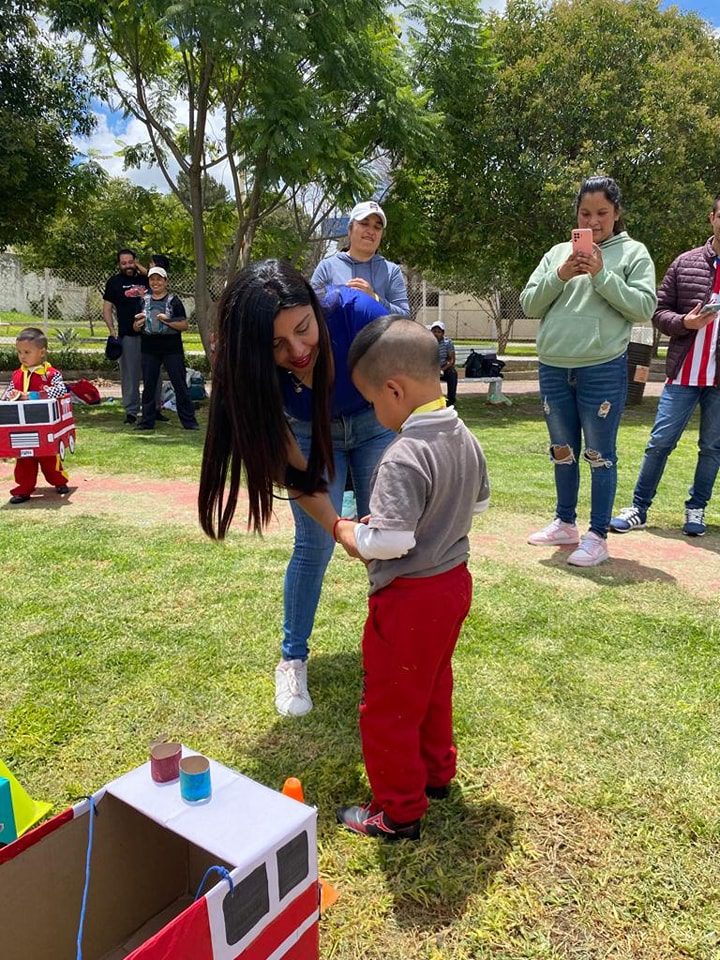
x=34, y=335
x=160, y=260
x=392, y=346
x=124, y=251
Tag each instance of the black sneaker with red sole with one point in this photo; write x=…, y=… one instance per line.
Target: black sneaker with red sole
x=362, y=820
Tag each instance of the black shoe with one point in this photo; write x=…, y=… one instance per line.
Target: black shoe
x=162, y=418
x=438, y=793
x=191, y=426
x=63, y=490
x=362, y=820
x=130, y=418
x=20, y=499
x=145, y=426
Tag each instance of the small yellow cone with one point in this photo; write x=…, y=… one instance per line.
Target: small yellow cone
x=293, y=788
x=26, y=811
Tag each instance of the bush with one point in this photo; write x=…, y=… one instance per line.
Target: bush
x=94, y=361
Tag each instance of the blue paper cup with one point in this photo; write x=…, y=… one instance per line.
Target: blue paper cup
x=34, y=395
x=195, y=783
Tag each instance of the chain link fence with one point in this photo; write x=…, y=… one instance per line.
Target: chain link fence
x=498, y=318
x=70, y=311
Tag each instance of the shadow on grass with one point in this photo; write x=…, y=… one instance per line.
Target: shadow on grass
x=617, y=572
x=42, y=499
x=463, y=844
x=323, y=747
x=462, y=848
x=108, y=419
x=711, y=540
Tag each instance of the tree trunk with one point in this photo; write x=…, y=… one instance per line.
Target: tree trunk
x=203, y=301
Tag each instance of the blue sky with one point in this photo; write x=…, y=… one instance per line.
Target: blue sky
x=709, y=9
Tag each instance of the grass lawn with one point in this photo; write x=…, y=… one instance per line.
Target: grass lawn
x=584, y=823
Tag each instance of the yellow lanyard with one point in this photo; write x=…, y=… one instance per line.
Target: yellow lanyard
x=27, y=372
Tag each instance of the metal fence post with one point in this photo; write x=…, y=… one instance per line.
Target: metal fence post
x=46, y=300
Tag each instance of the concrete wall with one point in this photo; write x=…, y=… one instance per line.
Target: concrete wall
x=467, y=318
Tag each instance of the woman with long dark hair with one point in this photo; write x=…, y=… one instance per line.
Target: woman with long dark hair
x=587, y=302
x=284, y=411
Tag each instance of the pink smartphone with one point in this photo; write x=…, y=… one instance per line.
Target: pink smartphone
x=582, y=241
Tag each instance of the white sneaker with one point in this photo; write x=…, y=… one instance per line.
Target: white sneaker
x=592, y=551
x=291, y=692
x=555, y=534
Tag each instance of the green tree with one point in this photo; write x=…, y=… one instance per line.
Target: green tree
x=43, y=102
x=284, y=95
x=617, y=86
x=99, y=217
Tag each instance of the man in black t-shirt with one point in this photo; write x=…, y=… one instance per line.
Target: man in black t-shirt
x=124, y=291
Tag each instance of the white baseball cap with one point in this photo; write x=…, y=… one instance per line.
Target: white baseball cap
x=438, y=323
x=364, y=209
x=158, y=271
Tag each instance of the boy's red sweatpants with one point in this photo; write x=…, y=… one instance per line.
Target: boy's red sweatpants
x=26, y=471
x=406, y=710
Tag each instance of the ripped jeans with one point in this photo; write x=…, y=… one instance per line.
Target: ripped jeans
x=584, y=402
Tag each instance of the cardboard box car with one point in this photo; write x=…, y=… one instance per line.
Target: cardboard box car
x=37, y=428
x=150, y=852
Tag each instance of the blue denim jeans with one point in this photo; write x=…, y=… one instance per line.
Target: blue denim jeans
x=674, y=410
x=585, y=402
x=358, y=442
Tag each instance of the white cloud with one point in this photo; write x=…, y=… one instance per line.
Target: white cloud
x=103, y=145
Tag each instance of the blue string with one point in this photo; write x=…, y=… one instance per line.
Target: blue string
x=216, y=869
x=83, y=908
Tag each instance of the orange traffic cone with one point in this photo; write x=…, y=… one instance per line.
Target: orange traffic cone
x=328, y=895
x=293, y=788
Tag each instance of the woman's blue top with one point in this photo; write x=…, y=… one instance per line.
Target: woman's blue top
x=346, y=312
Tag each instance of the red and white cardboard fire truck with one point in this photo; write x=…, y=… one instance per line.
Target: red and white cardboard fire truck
x=36, y=428
x=150, y=852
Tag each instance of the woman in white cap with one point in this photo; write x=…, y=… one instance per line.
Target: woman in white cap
x=360, y=266
x=161, y=324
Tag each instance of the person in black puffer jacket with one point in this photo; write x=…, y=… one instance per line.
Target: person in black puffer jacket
x=690, y=286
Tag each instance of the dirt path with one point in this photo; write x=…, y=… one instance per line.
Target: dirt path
x=652, y=555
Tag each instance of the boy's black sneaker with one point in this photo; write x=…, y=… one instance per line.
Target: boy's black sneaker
x=130, y=418
x=162, y=418
x=63, y=490
x=18, y=499
x=145, y=426
x=363, y=820
x=438, y=793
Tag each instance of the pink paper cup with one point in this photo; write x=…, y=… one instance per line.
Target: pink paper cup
x=165, y=762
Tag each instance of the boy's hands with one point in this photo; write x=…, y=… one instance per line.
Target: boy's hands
x=16, y=395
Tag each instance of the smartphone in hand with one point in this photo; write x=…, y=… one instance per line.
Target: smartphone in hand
x=713, y=307
x=582, y=241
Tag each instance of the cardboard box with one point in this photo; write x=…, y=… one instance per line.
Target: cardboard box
x=150, y=853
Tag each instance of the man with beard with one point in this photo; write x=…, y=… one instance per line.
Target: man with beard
x=124, y=291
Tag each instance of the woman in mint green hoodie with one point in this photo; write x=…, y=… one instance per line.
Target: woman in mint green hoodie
x=587, y=304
